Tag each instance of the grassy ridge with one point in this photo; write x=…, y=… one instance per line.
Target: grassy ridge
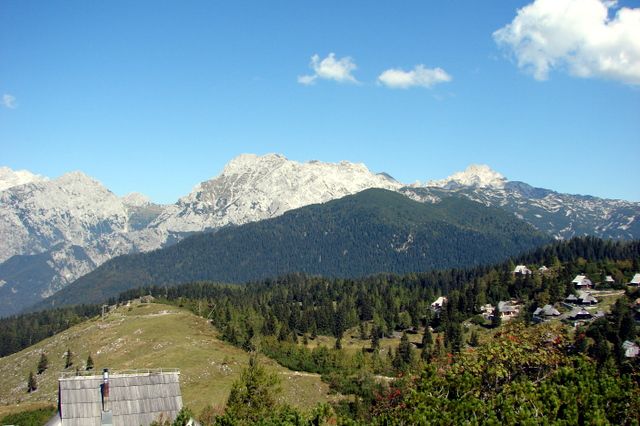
x=147, y=336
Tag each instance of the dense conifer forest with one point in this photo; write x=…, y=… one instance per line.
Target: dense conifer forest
x=517, y=373
x=396, y=360
x=370, y=232
x=20, y=331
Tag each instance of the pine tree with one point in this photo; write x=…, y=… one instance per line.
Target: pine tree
x=314, y=331
x=375, y=340
x=363, y=331
x=474, y=339
x=248, y=345
x=284, y=334
x=438, y=348
x=69, y=360
x=453, y=337
x=43, y=364
x=404, y=354
x=183, y=418
x=496, y=321
x=427, y=344
x=253, y=397
x=89, y=363
x=32, y=385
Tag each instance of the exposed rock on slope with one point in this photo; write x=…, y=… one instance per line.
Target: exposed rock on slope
x=252, y=188
x=560, y=215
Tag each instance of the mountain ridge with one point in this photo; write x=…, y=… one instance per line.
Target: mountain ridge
x=369, y=232
x=76, y=210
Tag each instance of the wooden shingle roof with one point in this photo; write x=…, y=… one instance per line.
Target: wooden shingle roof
x=134, y=399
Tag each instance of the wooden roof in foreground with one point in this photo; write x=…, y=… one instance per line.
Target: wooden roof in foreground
x=134, y=398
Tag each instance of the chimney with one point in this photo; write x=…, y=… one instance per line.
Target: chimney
x=105, y=390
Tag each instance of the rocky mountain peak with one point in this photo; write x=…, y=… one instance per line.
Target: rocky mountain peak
x=248, y=162
x=77, y=178
x=136, y=199
x=253, y=187
x=476, y=175
x=10, y=178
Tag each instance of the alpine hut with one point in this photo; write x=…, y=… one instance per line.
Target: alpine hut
x=127, y=398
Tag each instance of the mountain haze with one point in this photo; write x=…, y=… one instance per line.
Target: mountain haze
x=373, y=231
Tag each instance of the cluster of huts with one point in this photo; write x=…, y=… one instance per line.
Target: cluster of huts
x=577, y=303
x=578, y=307
x=581, y=281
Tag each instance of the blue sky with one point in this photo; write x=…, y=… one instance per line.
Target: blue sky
x=157, y=96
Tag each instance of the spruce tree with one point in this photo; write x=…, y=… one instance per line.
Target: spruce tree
x=284, y=335
x=375, y=340
x=43, y=363
x=404, y=354
x=474, y=339
x=363, y=331
x=496, y=321
x=32, y=385
x=453, y=337
x=253, y=397
x=89, y=363
x=314, y=331
x=427, y=344
x=69, y=359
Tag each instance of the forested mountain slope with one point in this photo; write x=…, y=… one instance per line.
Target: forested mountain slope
x=373, y=231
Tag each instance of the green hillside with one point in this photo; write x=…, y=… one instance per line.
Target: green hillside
x=144, y=336
x=370, y=232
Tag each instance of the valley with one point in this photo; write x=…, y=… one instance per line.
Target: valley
x=338, y=295
x=376, y=349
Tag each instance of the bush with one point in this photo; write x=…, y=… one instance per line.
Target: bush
x=29, y=418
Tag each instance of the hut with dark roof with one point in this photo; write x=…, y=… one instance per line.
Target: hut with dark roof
x=545, y=313
x=127, y=398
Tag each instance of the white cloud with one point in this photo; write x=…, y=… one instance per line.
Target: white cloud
x=579, y=36
x=8, y=101
x=307, y=79
x=418, y=76
x=330, y=68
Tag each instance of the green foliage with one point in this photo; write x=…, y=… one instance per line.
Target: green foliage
x=522, y=377
x=32, y=384
x=36, y=417
x=21, y=331
x=253, y=397
x=369, y=232
x=496, y=321
x=68, y=360
x=404, y=357
x=306, y=304
x=43, y=364
x=427, y=344
x=89, y=363
x=474, y=339
x=182, y=419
